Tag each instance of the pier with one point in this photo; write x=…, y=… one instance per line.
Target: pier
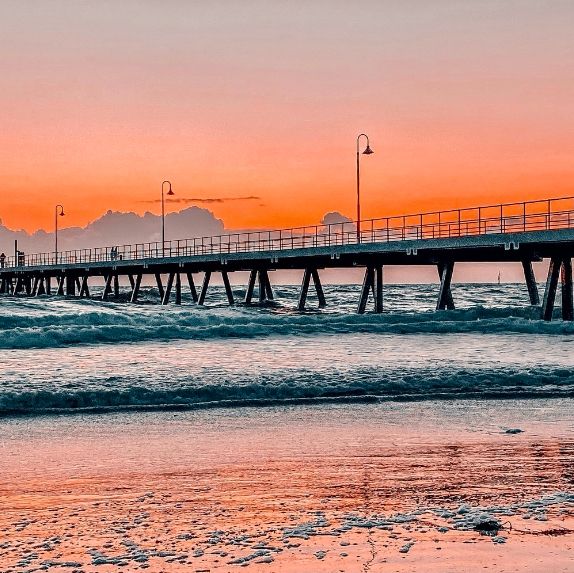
x=520, y=233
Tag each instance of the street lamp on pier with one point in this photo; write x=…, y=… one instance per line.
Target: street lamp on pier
x=170, y=192
x=367, y=151
x=59, y=212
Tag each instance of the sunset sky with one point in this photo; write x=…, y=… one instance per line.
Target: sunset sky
x=257, y=104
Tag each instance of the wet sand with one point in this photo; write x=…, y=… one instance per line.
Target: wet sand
x=389, y=487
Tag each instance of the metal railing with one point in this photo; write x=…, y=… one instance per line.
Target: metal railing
x=547, y=214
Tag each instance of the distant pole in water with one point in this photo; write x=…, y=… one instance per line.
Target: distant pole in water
x=59, y=213
x=367, y=151
x=498, y=277
x=170, y=192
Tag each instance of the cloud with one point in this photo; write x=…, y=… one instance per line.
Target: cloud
x=335, y=217
x=116, y=228
x=207, y=200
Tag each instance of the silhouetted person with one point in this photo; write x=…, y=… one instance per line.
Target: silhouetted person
x=114, y=253
x=2, y=260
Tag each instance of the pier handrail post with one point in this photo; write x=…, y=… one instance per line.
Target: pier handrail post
x=501, y=220
x=548, y=219
x=524, y=215
x=459, y=222
x=479, y=221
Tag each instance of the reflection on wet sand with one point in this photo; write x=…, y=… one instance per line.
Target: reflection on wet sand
x=362, y=488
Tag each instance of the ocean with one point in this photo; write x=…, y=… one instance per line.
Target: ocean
x=184, y=438
x=67, y=355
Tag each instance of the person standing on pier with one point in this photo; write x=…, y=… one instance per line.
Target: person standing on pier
x=2, y=260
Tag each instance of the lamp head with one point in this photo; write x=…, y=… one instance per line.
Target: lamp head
x=368, y=150
x=62, y=213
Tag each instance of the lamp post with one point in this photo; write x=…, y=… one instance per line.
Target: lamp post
x=170, y=192
x=59, y=212
x=367, y=151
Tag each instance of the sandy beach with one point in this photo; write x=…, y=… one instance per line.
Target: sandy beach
x=448, y=487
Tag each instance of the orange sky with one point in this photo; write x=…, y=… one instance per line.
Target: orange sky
x=465, y=103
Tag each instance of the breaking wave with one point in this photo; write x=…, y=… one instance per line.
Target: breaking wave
x=504, y=352
x=283, y=388
x=90, y=325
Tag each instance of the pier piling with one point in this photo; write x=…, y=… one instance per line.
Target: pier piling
x=446, y=270
x=228, y=289
x=567, y=291
x=550, y=290
x=265, y=291
x=192, y=288
x=204, y=286
x=372, y=283
x=531, y=283
x=308, y=274
x=136, y=288
x=168, y=287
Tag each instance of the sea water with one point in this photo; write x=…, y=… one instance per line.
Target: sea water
x=212, y=438
x=64, y=355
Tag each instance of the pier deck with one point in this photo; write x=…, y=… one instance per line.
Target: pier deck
x=514, y=232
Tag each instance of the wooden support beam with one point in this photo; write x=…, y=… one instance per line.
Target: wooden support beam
x=445, y=281
x=192, y=288
x=84, y=287
x=177, y=288
x=228, y=289
x=3, y=285
x=531, y=283
x=19, y=285
x=168, y=287
x=132, y=281
x=250, y=287
x=48, y=285
x=368, y=283
x=449, y=299
x=41, y=289
x=267, y=282
x=304, y=289
x=78, y=285
x=318, y=288
x=136, y=288
x=261, y=286
x=61, y=282
x=311, y=273
x=203, y=292
x=567, y=291
x=35, y=286
x=70, y=285
x=28, y=285
x=107, y=287
x=116, y=285
x=379, y=289
x=159, y=285
x=550, y=290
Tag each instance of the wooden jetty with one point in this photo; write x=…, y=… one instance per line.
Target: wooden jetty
x=512, y=232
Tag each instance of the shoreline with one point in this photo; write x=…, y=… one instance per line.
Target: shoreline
x=278, y=402
x=356, y=488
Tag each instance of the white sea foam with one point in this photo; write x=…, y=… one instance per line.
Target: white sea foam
x=72, y=355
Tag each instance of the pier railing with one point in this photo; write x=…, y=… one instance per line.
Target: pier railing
x=548, y=214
